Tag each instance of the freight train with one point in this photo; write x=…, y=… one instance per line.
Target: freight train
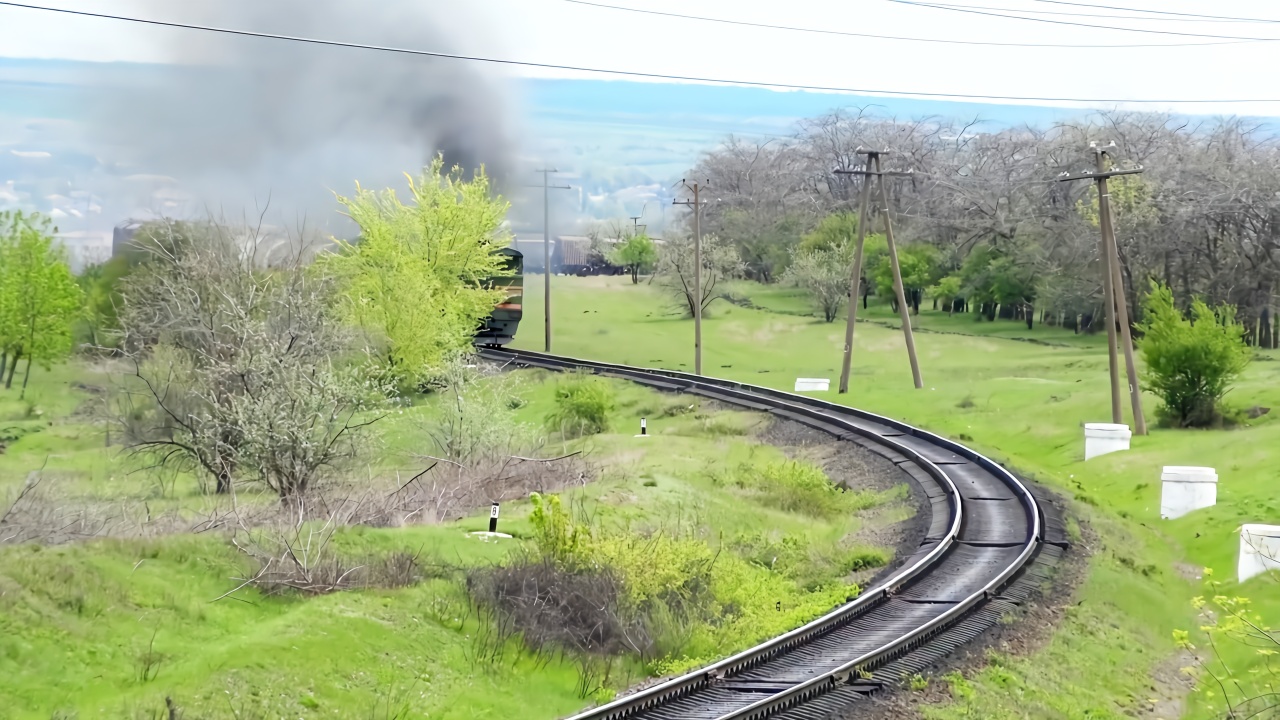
x=500, y=327
x=570, y=255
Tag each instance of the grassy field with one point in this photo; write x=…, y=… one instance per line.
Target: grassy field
x=1022, y=402
x=110, y=627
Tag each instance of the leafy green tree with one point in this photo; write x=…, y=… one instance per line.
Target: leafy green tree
x=834, y=230
x=763, y=241
x=416, y=277
x=950, y=290
x=39, y=298
x=100, y=286
x=1190, y=363
x=992, y=277
x=638, y=255
x=918, y=264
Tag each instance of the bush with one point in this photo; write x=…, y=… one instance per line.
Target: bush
x=798, y=487
x=583, y=405
x=1190, y=364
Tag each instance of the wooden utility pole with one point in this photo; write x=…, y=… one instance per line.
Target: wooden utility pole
x=546, y=252
x=873, y=169
x=1113, y=294
x=855, y=278
x=903, y=310
x=635, y=220
x=696, y=204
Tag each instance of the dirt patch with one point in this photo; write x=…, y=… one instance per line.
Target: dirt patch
x=1170, y=687
x=1189, y=572
x=1022, y=634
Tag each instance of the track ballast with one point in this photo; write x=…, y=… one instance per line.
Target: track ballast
x=989, y=544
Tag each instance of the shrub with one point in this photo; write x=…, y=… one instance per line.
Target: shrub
x=1190, y=363
x=800, y=487
x=583, y=404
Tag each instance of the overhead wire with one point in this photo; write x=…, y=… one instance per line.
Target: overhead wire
x=875, y=36
x=625, y=73
x=1161, y=12
x=917, y=3
x=1066, y=13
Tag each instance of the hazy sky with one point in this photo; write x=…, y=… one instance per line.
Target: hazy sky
x=563, y=32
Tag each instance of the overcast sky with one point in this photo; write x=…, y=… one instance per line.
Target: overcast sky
x=563, y=32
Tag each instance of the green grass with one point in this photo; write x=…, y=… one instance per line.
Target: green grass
x=1021, y=402
x=109, y=628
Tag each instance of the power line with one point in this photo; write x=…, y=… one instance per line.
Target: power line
x=1161, y=12
x=818, y=31
x=1109, y=17
x=1078, y=24
x=629, y=73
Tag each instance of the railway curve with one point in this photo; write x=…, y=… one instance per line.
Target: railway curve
x=991, y=541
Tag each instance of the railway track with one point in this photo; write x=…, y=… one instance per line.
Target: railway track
x=991, y=541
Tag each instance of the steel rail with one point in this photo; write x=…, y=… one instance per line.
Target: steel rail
x=828, y=414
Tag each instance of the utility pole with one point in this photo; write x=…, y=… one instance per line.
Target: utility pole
x=873, y=169
x=1113, y=293
x=546, y=251
x=635, y=219
x=696, y=204
x=855, y=279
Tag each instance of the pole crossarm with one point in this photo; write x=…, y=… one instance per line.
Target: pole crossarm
x=882, y=173
x=1088, y=175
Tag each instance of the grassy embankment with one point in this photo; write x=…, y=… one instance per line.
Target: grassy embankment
x=110, y=627
x=1021, y=402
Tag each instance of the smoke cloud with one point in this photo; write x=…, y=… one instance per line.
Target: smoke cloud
x=239, y=120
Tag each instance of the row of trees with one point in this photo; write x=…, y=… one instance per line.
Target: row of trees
x=39, y=297
x=997, y=234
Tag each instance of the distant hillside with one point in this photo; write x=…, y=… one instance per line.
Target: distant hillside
x=620, y=144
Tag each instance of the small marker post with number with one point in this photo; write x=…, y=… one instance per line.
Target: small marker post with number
x=493, y=518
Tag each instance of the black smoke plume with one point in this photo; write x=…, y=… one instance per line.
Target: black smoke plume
x=238, y=120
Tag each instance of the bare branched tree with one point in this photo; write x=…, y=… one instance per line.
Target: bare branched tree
x=236, y=363
x=676, y=265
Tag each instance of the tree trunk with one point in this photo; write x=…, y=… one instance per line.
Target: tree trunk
x=26, y=376
x=8, y=383
x=1275, y=330
x=1030, y=313
x=224, y=483
x=4, y=361
x=865, y=292
x=935, y=303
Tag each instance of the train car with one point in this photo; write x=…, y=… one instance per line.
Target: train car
x=500, y=327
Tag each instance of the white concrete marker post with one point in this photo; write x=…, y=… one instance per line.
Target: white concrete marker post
x=644, y=429
x=1259, y=550
x=1103, y=438
x=1185, y=489
x=813, y=384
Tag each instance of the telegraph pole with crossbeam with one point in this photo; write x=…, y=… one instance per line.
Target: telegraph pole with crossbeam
x=546, y=251
x=872, y=169
x=696, y=203
x=1113, y=291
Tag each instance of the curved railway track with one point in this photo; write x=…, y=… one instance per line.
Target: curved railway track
x=990, y=543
